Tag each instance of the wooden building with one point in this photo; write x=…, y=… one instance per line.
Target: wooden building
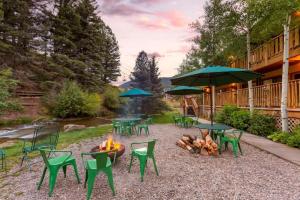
x=266, y=59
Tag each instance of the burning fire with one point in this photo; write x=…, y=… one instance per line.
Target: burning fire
x=109, y=145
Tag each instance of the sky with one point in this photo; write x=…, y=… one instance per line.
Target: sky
x=159, y=27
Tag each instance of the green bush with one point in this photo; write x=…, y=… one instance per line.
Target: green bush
x=72, y=101
x=92, y=105
x=281, y=137
x=111, y=99
x=294, y=139
x=224, y=116
x=262, y=125
x=240, y=119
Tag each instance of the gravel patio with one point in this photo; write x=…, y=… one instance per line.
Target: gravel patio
x=256, y=175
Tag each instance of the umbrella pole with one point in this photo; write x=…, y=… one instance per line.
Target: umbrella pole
x=211, y=107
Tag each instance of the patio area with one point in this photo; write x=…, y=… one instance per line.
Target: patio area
x=255, y=175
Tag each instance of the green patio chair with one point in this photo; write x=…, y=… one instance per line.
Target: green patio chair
x=3, y=159
x=93, y=167
x=144, y=126
x=143, y=154
x=54, y=164
x=43, y=136
x=116, y=126
x=177, y=120
x=187, y=122
x=234, y=139
x=127, y=128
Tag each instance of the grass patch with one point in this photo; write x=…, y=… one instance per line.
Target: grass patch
x=14, y=152
x=164, y=118
x=17, y=121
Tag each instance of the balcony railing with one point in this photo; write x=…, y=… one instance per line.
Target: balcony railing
x=271, y=52
x=264, y=96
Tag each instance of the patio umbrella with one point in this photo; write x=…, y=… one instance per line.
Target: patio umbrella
x=184, y=90
x=214, y=76
x=135, y=92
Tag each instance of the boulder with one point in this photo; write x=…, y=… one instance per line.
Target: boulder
x=72, y=127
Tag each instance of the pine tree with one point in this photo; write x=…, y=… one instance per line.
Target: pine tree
x=140, y=75
x=111, y=57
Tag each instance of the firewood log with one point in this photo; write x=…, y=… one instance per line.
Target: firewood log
x=181, y=144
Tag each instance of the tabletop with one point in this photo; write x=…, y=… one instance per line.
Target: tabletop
x=128, y=119
x=213, y=127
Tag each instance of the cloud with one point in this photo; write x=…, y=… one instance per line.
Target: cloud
x=147, y=1
x=182, y=49
x=175, y=18
x=150, y=23
x=120, y=7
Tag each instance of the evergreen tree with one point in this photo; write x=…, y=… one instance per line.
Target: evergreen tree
x=140, y=75
x=111, y=57
x=146, y=76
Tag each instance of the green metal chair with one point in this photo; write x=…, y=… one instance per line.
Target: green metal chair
x=144, y=126
x=3, y=159
x=187, y=122
x=93, y=167
x=116, y=126
x=54, y=164
x=234, y=139
x=177, y=120
x=43, y=136
x=143, y=154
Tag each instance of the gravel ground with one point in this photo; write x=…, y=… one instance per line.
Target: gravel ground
x=256, y=175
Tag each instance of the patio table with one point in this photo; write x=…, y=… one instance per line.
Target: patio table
x=212, y=127
x=128, y=119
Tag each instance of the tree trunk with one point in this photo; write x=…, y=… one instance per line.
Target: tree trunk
x=285, y=76
x=250, y=89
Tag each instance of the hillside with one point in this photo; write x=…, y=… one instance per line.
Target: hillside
x=165, y=81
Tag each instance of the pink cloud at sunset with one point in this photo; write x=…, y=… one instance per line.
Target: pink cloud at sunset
x=175, y=18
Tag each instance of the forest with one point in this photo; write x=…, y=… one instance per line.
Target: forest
x=45, y=42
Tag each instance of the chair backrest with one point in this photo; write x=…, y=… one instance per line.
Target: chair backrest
x=235, y=132
x=101, y=159
x=150, y=147
x=44, y=156
x=46, y=135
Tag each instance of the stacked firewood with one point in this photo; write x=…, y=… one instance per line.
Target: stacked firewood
x=193, y=144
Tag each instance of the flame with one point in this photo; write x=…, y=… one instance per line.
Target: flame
x=109, y=144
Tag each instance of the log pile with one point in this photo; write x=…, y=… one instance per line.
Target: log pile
x=204, y=146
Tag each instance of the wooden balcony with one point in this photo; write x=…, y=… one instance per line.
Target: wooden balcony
x=271, y=52
x=265, y=96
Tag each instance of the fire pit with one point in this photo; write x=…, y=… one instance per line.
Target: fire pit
x=109, y=145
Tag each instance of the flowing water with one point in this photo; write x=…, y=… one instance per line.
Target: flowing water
x=15, y=132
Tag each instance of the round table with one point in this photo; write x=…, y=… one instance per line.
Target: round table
x=128, y=119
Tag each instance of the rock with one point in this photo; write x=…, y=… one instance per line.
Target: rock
x=72, y=127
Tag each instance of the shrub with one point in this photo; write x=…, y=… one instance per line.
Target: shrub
x=281, y=137
x=70, y=102
x=240, y=119
x=92, y=104
x=223, y=116
x=262, y=124
x=111, y=99
x=294, y=139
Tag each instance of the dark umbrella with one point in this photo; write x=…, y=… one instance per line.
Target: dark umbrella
x=184, y=90
x=135, y=92
x=214, y=76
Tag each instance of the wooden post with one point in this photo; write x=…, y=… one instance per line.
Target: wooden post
x=213, y=90
x=285, y=77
